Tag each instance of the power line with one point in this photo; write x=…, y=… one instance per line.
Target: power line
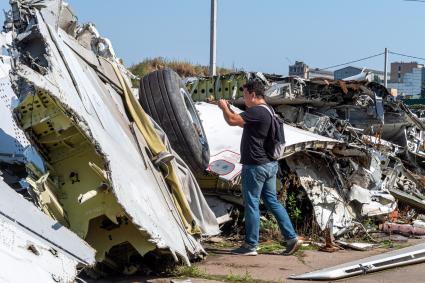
x=404, y=55
x=354, y=61
x=373, y=56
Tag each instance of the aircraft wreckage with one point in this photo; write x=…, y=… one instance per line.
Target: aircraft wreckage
x=130, y=172
x=352, y=147
x=111, y=177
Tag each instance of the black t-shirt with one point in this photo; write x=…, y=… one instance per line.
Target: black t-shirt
x=255, y=131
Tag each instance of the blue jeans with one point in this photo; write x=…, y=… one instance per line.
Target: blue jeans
x=260, y=181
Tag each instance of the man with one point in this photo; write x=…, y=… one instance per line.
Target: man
x=258, y=169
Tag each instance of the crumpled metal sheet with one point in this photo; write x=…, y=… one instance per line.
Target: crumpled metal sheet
x=368, y=190
x=406, y=256
x=35, y=248
x=12, y=138
x=14, y=145
x=343, y=194
x=372, y=202
x=146, y=200
x=323, y=192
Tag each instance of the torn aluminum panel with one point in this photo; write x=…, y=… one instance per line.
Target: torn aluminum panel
x=406, y=188
x=323, y=190
x=73, y=106
x=343, y=187
x=15, y=149
x=12, y=139
x=372, y=202
x=35, y=248
x=222, y=209
x=368, y=193
x=356, y=246
x=406, y=256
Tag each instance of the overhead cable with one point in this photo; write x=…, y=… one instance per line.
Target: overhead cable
x=354, y=61
x=404, y=55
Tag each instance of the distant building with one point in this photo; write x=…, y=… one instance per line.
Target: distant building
x=299, y=69
x=399, y=69
x=302, y=70
x=408, y=79
x=346, y=72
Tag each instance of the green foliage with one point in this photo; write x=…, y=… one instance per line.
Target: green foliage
x=294, y=211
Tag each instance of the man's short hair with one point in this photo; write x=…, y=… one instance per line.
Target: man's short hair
x=255, y=86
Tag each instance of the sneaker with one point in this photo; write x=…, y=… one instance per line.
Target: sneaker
x=292, y=246
x=245, y=249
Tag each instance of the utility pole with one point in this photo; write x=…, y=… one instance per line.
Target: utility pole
x=385, y=67
x=213, y=37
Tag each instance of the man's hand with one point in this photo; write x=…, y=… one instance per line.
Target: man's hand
x=222, y=103
x=232, y=118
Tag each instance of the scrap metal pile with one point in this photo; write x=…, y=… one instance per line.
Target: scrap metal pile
x=124, y=171
x=372, y=153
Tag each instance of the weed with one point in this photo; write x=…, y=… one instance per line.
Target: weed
x=309, y=248
x=292, y=207
x=189, y=271
x=221, y=245
x=388, y=244
x=300, y=255
x=271, y=247
x=196, y=272
x=269, y=228
x=239, y=278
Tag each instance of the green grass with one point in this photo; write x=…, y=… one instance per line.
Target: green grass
x=309, y=248
x=239, y=278
x=271, y=248
x=275, y=247
x=195, y=272
x=223, y=245
x=388, y=244
x=300, y=255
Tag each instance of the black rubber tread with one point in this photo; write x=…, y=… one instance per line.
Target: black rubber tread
x=187, y=143
x=182, y=143
x=159, y=95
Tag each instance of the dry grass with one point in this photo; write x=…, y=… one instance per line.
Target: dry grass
x=183, y=68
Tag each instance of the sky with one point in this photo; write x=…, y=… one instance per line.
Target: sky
x=256, y=35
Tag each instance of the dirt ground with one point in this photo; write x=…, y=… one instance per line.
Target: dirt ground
x=221, y=266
